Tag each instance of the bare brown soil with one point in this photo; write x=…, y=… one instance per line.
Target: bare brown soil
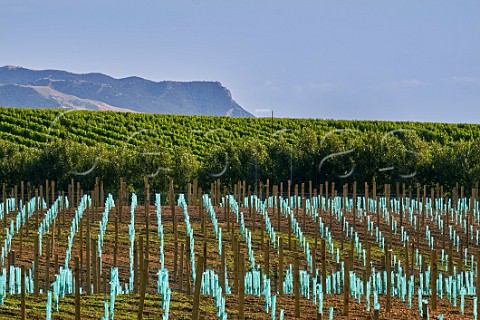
x=126, y=307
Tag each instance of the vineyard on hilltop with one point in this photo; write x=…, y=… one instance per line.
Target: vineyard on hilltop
x=59, y=144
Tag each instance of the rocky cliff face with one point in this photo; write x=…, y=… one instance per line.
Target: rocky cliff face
x=24, y=88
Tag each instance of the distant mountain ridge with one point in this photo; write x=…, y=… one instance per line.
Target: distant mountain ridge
x=25, y=88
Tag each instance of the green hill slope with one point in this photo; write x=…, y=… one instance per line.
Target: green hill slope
x=439, y=152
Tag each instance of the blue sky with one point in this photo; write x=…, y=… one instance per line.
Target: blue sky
x=415, y=60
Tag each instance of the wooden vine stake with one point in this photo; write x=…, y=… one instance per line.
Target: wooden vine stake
x=346, y=289
x=198, y=284
x=47, y=270
x=36, y=209
x=187, y=262
x=314, y=252
x=262, y=236
x=304, y=207
x=267, y=190
x=78, y=191
x=389, y=280
x=147, y=217
x=47, y=191
x=52, y=237
x=175, y=232
x=235, y=263
x=22, y=192
x=354, y=209
x=412, y=255
x=274, y=192
x=77, y=289
x=324, y=266
x=21, y=243
x=226, y=208
x=88, y=254
x=289, y=187
x=296, y=284
x=289, y=232
x=200, y=209
x=267, y=259
x=219, y=184
x=36, y=289
x=279, y=215
x=365, y=230
x=368, y=270
x=175, y=261
x=62, y=203
x=407, y=258
x=222, y=269
x=26, y=216
x=99, y=274
x=57, y=268
x=297, y=205
x=94, y=267
x=22, y=283
x=241, y=288
x=143, y=289
x=120, y=201
x=374, y=191
x=182, y=253
x=102, y=194
x=52, y=187
x=141, y=257
x=205, y=256
x=433, y=279
x=280, y=266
